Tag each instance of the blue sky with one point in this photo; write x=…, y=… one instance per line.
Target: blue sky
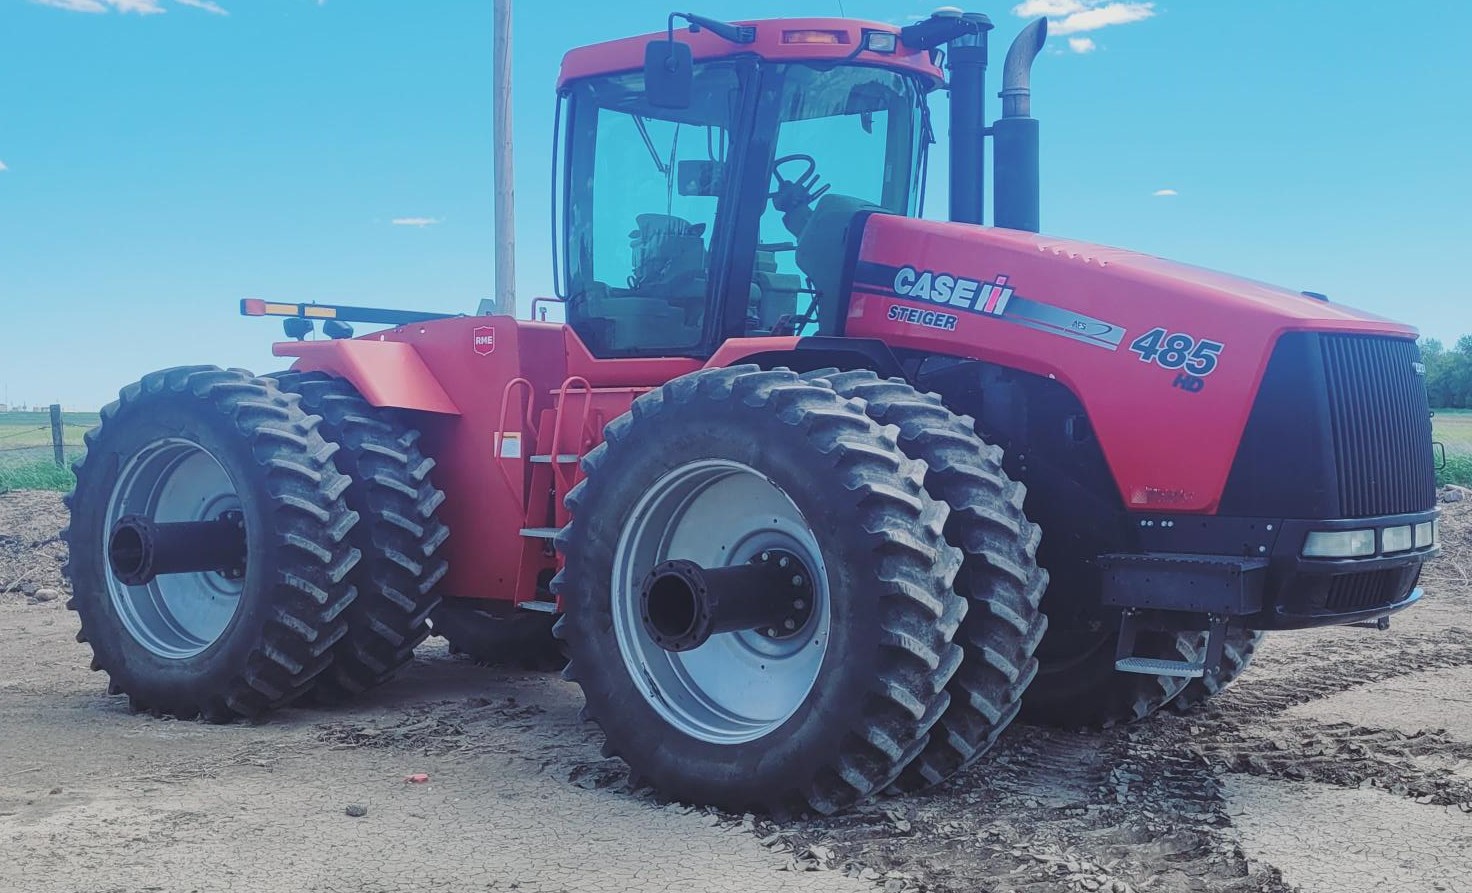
x=162, y=158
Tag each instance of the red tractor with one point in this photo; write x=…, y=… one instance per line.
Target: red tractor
x=802, y=475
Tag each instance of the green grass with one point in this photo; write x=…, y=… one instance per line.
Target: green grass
x=39, y=474
x=1453, y=429
x=25, y=449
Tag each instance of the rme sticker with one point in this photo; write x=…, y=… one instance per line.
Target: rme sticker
x=919, y=316
x=954, y=291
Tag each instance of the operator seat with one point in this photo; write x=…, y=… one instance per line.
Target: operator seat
x=822, y=251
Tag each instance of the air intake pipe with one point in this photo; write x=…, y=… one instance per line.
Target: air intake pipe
x=1015, y=183
x=966, y=58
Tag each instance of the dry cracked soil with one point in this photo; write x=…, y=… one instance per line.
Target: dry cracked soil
x=1342, y=762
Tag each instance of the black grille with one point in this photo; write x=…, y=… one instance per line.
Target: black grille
x=1370, y=589
x=1380, y=425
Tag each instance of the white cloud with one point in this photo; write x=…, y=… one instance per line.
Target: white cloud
x=1031, y=9
x=3, y=167
x=137, y=7
x=206, y=5
x=1097, y=17
x=420, y=222
x=1081, y=44
x=1076, y=16
x=140, y=7
x=1165, y=192
x=75, y=5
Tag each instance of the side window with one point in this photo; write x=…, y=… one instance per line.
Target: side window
x=643, y=201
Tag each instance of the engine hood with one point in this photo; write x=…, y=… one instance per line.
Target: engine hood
x=1159, y=353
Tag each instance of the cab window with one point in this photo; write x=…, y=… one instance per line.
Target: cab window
x=645, y=200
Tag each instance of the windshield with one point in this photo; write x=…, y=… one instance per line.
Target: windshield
x=853, y=137
x=862, y=125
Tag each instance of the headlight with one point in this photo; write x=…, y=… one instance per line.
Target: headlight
x=1427, y=534
x=1339, y=544
x=1396, y=539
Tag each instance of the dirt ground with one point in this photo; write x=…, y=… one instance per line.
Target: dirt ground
x=1342, y=762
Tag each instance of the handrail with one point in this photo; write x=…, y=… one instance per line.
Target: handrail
x=526, y=425
x=562, y=394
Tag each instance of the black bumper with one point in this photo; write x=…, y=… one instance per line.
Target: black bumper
x=1253, y=571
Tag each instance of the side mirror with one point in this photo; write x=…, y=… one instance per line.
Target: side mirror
x=669, y=74
x=698, y=177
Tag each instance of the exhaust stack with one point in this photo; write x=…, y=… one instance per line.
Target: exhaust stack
x=1016, y=179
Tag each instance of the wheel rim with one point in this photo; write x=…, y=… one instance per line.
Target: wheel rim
x=175, y=616
x=737, y=686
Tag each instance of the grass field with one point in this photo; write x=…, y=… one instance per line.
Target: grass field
x=1453, y=428
x=26, y=456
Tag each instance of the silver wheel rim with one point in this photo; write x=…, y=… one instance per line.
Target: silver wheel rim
x=175, y=616
x=738, y=686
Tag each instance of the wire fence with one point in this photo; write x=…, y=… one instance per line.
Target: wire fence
x=37, y=448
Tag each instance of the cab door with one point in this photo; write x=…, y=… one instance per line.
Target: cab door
x=648, y=207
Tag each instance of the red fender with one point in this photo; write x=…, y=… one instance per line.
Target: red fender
x=386, y=373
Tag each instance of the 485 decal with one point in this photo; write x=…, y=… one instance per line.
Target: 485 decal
x=1178, y=351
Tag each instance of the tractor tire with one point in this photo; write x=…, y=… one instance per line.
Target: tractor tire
x=520, y=640
x=999, y=577
x=399, y=535
x=199, y=443
x=1077, y=685
x=1237, y=655
x=725, y=467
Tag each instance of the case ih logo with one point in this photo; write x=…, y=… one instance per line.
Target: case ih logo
x=483, y=339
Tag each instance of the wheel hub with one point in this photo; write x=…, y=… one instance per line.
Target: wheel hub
x=721, y=607
x=683, y=604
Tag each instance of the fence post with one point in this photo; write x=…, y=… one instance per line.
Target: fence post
x=56, y=442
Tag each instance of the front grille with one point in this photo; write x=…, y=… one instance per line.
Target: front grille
x=1380, y=425
x=1368, y=589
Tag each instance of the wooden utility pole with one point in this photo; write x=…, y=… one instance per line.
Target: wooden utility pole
x=505, y=194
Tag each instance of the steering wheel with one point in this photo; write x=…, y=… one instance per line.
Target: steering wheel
x=799, y=191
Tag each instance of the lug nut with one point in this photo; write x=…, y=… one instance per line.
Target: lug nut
x=790, y=623
x=782, y=562
x=799, y=604
x=797, y=580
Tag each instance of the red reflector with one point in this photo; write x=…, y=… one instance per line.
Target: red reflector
x=810, y=36
x=252, y=307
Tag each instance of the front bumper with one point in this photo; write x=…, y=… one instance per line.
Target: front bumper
x=1253, y=571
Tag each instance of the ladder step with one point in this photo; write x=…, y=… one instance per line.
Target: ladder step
x=1156, y=667
x=539, y=605
x=545, y=533
x=560, y=458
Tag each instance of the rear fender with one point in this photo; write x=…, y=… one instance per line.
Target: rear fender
x=387, y=373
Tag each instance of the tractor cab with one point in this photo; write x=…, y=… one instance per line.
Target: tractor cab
x=716, y=198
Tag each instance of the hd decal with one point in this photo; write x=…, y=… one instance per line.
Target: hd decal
x=995, y=298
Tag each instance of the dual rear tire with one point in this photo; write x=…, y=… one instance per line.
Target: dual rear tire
x=337, y=518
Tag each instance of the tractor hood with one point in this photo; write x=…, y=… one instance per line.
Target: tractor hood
x=1123, y=331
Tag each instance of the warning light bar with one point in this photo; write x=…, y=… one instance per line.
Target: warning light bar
x=342, y=313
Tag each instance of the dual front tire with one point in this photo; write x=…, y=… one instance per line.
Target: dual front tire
x=721, y=466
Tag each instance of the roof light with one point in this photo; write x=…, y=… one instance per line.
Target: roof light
x=880, y=41
x=252, y=307
x=814, y=36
